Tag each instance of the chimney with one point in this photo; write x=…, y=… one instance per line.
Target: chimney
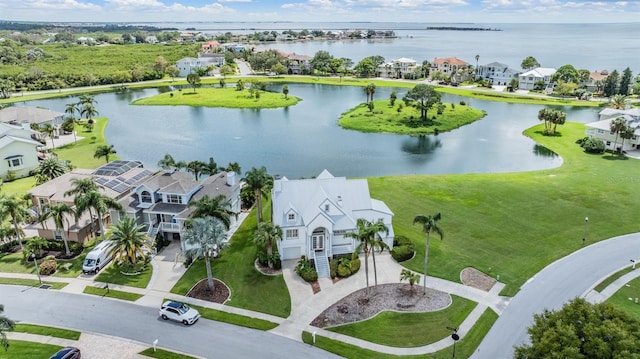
x=340, y=201
x=231, y=178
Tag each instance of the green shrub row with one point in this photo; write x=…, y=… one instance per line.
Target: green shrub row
x=403, y=249
x=306, y=270
x=344, y=267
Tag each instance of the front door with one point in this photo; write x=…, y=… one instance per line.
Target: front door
x=317, y=242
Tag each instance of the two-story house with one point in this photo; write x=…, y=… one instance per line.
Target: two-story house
x=448, y=65
x=298, y=64
x=315, y=214
x=18, y=151
x=26, y=116
x=498, y=73
x=601, y=129
x=191, y=65
x=397, y=68
x=539, y=75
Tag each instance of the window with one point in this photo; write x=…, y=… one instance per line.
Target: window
x=291, y=216
x=339, y=232
x=145, y=197
x=174, y=198
x=14, y=161
x=292, y=233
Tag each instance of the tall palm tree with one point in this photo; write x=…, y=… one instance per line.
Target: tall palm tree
x=100, y=205
x=234, y=167
x=367, y=233
x=260, y=182
x=209, y=236
x=129, y=241
x=71, y=109
x=429, y=223
x=58, y=212
x=6, y=325
x=197, y=168
x=15, y=207
x=217, y=207
x=50, y=168
x=477, y=58
x=618, y=102
x=617, y=126
x=627, y=133
x=267, y=234
x=49, y=131
x=79, y=188
x=104, y=151
x=166, y=161
x=211, y=167
x=89, y=111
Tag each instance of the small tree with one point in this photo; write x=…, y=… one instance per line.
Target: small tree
x=6, y=325
x=285, y=91
x=209, y=236
x=194, y=80
x=104, y=151
x=410, y=276
x=423, y=97
x=392, y=98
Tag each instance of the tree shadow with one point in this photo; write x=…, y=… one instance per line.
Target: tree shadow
x=615, y=157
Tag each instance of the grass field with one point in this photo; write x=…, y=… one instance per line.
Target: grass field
x=234, y=319
x=219, y=97
x=514, y=224
x=112, y=274
x=19, y=349
x=47, y=331
x=32, y=282
x=625, y=298
x=112, y=293
x=385, y=118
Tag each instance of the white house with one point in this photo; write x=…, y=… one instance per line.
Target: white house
x=602, y=129
x=315, y=214
x=18, y=151
x=25, y=116
x=397, y=68
x=528, y=80
x=498, y=73
x=190, y=65
x=161, y=202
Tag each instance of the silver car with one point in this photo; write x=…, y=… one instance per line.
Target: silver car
x=179, y=312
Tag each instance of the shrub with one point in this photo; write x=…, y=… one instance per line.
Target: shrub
x=274, y=258
x=333, y=268
x=401, y=241
x=310, y=276
x=48, y=266
x=263, y=258
x=355, y=265
x=593, y=145
x=305, y=269
x=402, y=253
x=462, y=103
x=343, y=271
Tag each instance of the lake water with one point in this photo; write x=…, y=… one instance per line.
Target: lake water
x=302, y=140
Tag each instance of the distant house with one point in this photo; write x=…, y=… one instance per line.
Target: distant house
x=529, y=79
x=209, y=46
x=18, y=151
x=498, y=73
x=115, y=180
x=26, y=116
x=298, y=64
x=151, y=39
x=161, y=202
x=596, y=81
x=448, y=65
x=232, y=46
x=601, y=129
x=190, y=65
x=397, y=68
x=315, y=214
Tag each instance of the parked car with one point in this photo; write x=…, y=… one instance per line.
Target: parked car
x=67, y=353
x=179, y=312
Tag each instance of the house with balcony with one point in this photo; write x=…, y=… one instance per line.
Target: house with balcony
x=27, y=116
x=315, y=214
x=191, y=65
x=448, y=65
x=498, y=73
x=298, y=64
x=161, y=202
x=397, y=68
x=595, y=83
x=114, y=179
x=540, y=75
x=601, y=129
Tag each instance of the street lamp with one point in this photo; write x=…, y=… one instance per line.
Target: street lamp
x=586, y=222
x=33, y=255
x=455, y=338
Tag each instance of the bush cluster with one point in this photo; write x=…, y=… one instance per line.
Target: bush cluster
x=403, y=249
x=344, y=267
x=591, y=145
x=48, y=266
x=306, y=270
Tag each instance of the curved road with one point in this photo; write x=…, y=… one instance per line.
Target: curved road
x=94, y=314
x=559, y=282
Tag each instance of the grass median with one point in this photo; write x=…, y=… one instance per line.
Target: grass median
x=47, y=331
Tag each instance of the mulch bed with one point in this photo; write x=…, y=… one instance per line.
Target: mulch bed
x=316, y=287
x=219, y=294
x=474, y=278
x=266, y=270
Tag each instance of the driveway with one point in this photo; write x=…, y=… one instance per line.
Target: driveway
x=569, y=277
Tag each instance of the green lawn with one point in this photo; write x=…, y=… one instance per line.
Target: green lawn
x=410, y=329
x=386, y=118
x=249, y=288
x=112, y=293
x=163, y=354
x=464, y=348
x=514, y=224
x=219, y=97
x=32, y=282
x=235, y=319
x=13, y=263
x=47, y=331
x=621, y=298
x=19, y=349
x=112, y=274
x=81, y=153
x=612, y=278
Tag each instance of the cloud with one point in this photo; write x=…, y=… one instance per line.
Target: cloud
x=59, y=5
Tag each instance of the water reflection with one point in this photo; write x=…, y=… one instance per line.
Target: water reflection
x=421, y=145
x=542, y=151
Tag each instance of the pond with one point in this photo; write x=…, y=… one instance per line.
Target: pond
x=302, y=140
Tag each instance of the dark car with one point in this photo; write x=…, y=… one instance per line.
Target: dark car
x=67, y=353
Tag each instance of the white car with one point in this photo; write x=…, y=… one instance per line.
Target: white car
x=179, y=312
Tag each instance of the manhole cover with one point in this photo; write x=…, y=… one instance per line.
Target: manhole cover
x=45, y=286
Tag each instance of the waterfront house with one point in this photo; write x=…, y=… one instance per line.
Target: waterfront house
x=19, y=151
x=191, y=65
x=601, y=129
x=209, y=46
x=539, y=75
x=498, y=73
x=27, y=116
x=297, y=64
x=397, y=68
x=595, y=82
x=448, y=65
x=315, y=214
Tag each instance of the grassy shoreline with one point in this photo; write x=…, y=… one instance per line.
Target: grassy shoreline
x=219, y=97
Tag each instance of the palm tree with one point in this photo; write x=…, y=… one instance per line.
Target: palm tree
x=267, y=234
x=15, y=207
x=99, y=203
x=218, y=207
x=429, y=223
x=209, y=236
x=129, y=241
x=6, y=325
x=210, y=168
x=58, y=213
x=50, y=168
x=234, y=167
x=49, y=130
x=617, y=126
x=260, y=182
x=368, y=234
x=166, y=161
x=618, y=102
x=196, y=167
x=89, y=111
x=369, y=90
x=477, y=58
x=79, y=188
x=285, y=91
x=71, y=109
x=104, y=151
x=627, y=134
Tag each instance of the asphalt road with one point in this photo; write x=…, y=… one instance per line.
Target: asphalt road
x=94, y=314
x=553, y=286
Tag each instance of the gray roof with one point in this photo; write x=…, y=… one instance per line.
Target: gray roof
x=18, y=114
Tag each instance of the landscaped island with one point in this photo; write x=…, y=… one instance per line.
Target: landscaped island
x=221, y=97
x=406, y=120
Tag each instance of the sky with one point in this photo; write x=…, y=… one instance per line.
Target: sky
x=426, y=11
